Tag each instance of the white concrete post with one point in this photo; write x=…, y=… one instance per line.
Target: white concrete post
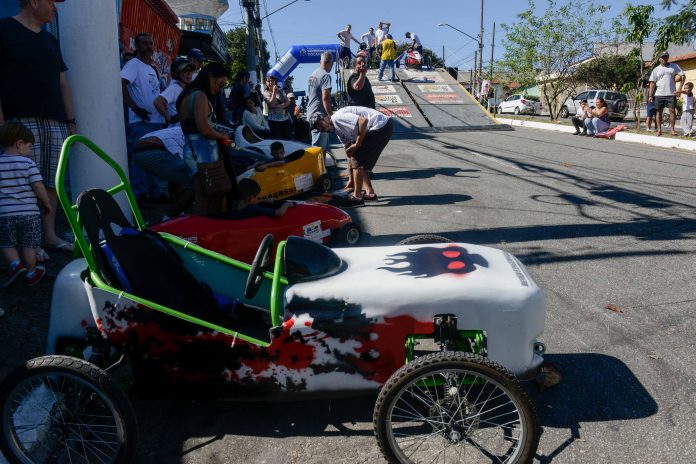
x=89, y=43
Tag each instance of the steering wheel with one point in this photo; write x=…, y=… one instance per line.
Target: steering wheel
x=259, y=265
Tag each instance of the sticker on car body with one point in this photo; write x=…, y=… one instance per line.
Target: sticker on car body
x=303, y=182
x=313, y=231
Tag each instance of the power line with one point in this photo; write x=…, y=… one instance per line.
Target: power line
x=270, y=29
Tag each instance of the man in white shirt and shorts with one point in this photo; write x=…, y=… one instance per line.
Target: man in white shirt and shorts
x=663, y=90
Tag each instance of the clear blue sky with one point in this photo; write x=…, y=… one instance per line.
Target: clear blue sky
x=318, y=21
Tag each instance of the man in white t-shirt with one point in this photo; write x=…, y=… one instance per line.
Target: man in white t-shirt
x=371, y=40
x=415, y=43
x=346, y=36
x=162, y=152
x=380, y=35
x=663, y=90
x=364, y=133
x=140, y=88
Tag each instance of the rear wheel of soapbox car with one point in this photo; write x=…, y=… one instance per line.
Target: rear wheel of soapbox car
x=455, y=407
x=63, y=409
x=424, y=239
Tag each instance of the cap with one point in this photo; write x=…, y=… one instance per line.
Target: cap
x=665, y=53
x=180, y=64
x=195, y=54
x=316, y=117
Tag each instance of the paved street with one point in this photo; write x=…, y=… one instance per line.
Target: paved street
x=597, y=222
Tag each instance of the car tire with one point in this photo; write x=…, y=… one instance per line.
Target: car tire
x=517, y=110
x=65, y=385
x=349, y=235
x=564, y=112
x=499, y=110
x=412, y=403
x=324, y=183
x=424, y=239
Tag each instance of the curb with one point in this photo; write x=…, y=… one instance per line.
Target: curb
x=624, y=136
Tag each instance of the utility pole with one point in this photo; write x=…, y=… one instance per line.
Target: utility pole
x=481, y=46
x=249, y=7
x=259, y=41
x=476, y=77
x=492, y=47
x=444, y=64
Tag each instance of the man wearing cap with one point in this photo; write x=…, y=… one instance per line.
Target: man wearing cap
x=663, y=91
x=196, y=57
x=33, y=89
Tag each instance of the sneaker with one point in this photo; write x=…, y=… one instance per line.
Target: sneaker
x=35, y=277
x=15, y=272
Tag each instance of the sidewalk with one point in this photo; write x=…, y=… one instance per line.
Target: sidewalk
x=665, y=141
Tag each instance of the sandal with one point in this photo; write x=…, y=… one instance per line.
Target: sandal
x=370, y=197
x=63, y=246
x=41, y=255
x=352, y=200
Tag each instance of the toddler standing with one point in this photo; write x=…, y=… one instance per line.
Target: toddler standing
x=20, y=217
x=687, y=118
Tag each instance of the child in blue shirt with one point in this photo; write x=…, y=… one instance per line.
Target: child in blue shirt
x=248, y=204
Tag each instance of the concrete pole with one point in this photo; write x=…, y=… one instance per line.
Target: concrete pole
x=89, y=43
x=251, y=61
x=481, y=47
x=492, y=48
x=476, y=75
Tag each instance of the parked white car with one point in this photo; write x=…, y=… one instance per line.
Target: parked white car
x=519, y=104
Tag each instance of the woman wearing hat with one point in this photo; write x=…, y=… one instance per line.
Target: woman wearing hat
x=181, y=71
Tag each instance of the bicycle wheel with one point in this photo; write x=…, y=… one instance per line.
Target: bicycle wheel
x=65, y=410
x=455, y=407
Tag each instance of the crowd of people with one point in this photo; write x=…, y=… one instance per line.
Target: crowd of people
x=665, y=87
x=173, y=131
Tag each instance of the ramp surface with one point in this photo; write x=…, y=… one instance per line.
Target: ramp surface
x=428, y=100
x=444, y=102
x=392, y=99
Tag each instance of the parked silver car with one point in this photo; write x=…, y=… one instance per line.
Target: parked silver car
x=617, y=103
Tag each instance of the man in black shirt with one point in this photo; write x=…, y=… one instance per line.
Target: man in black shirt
x=359, y=88
x=33, y=89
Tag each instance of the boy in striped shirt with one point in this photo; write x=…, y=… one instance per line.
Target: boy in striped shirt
x=20, y=217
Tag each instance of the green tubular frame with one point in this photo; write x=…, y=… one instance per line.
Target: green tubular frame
x=466, y=340
x=124, y=186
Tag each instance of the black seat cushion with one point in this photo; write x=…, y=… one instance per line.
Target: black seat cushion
x=153, y=269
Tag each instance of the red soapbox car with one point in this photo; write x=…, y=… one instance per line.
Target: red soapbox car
x=239, y=238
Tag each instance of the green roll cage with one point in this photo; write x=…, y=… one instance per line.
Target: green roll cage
x=85, y=249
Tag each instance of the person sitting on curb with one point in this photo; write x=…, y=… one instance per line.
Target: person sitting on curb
x=598, y=118
x=579, y=119
x=248, y=204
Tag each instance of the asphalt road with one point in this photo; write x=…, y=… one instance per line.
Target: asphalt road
x=597, y=222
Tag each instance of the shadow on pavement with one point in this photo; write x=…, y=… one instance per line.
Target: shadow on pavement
x=594, y=388
x=166, y=425
x=645, y=229
x=424, y=173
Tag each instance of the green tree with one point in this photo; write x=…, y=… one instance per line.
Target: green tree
x=679, y=27
x=609, y=71
x=237, y=49
x=640, y=25
x=545, y=49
